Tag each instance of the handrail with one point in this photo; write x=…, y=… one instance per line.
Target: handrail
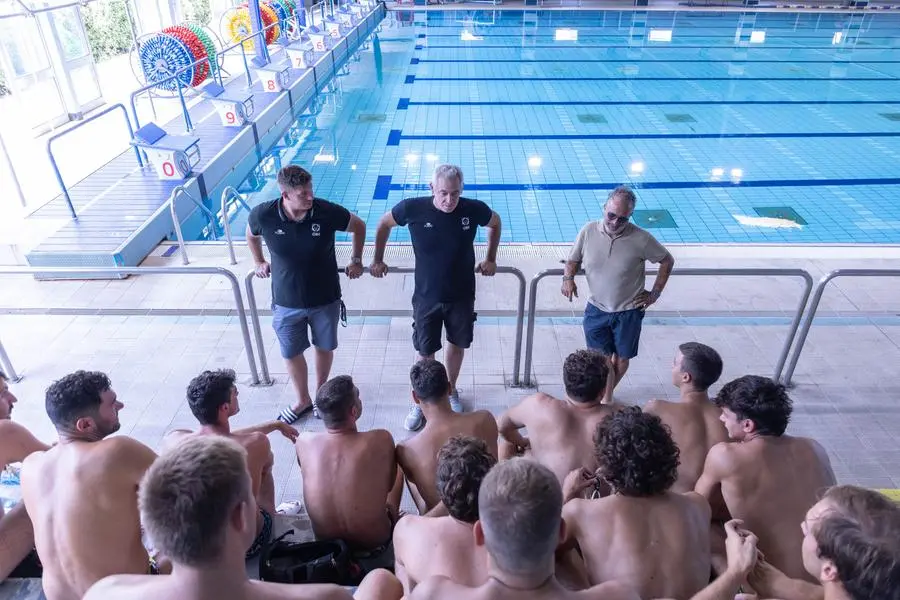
x=187, y=117
x=95, y=271
x=176, y=223
x=257, y=330
x=227, y=193
x=814, y=306
x=8, y=369
x=59, y=179
x=798, y=313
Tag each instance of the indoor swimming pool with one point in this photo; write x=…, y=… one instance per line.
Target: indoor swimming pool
x=769, y=127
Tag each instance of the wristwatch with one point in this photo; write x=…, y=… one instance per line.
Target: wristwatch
x=356, y=260
x=568, y=278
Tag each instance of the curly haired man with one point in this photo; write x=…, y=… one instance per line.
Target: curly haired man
x=643, y=535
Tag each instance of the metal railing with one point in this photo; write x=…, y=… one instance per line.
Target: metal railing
x=814, y=306
x=786, y=347
x=188, y=125
x=257, y=330
x=102, y=113
x=114, y=271
x=176, y=222
x=7, y=365
x=227, y=194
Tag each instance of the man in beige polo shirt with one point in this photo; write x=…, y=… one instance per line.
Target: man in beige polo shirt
x=614, y=253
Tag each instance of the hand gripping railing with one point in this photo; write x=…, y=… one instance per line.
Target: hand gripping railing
x=114, y=271
x=102, y=113
x=257, y=330
x=230, y=193
x=176, y=223
x=814, y=306
x=798, y=313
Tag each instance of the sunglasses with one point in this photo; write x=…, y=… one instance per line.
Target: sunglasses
x=618, y=220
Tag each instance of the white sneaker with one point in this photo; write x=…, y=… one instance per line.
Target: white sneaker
x=415, y=420
x=455, y=403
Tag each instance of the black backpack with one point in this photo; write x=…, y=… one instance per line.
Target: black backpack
x=326, y=561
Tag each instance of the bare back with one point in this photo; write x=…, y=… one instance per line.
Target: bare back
x=430, y=546
x=657, y=545
x=561, y=432
x=346, y=480
x=259, y=460
x=695, y=428
x=440, y=588
x=417, y=456
x=770, y=483
x=82, y=499
x=136, y=587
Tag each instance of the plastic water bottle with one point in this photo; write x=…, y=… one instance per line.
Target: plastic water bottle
x=10, y=490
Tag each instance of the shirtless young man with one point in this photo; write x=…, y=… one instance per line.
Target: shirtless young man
x=768, y=480
x=851, y=546
x=16, y=531
x=561, y=432
x=643, y=535
x=429, y=546
x=520, y=527
x=213, y=398
x=198, y=505
x=351, y=487
x=694, y=420
x=417, y=456
x=81, y=494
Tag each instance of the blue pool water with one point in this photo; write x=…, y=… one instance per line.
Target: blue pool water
x=744, y=127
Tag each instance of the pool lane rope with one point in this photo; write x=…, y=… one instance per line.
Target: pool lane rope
x=161, y=56
x=197, y=49
x=237, y=25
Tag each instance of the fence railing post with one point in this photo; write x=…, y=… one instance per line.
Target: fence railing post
x=257, y=328
x=7, y=365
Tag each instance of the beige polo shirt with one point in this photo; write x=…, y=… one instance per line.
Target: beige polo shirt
x=615, y=266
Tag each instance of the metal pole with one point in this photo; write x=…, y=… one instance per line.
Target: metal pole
x=520, y=319
x=12, y=171
x=184, y=109
x=246, y=67
x=59, y=180
x=176, y=223
x=532, y=308
x=792, y=330
x=7, y=365
x=230, y=192
x=257, y=328
x=256, y=26
x=101, y=271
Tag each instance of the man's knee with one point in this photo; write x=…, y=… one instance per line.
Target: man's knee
x=380, y=584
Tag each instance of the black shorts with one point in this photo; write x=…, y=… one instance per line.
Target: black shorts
x=428, y=320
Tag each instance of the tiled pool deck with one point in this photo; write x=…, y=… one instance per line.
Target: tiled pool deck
x=847, y=380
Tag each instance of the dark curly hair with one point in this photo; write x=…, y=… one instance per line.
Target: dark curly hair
x=463, y=462
x=759, y=399
x=207, y=392
x=636, y=453
x=584, y=375
x=702, y=363
x=335, y=399
x=75, y=396
x=429, y=380
x=865, y=549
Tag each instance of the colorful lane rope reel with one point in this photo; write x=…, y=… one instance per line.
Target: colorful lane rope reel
x=236, y=23
x=197, y=48
x=161, y=56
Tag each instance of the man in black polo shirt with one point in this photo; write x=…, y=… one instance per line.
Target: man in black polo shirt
x=306, y=292
x=442, y=228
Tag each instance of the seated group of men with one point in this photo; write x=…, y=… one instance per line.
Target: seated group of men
x=599, y=500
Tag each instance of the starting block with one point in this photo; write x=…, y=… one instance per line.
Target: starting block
x=300, y=54
x=275, y=77
x=345, y=17
x=332, y=28
x=317, y=39
x=357, y=10
x=173, y=156
x=234, y=108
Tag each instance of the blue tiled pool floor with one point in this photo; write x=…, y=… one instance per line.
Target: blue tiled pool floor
x=743, y=128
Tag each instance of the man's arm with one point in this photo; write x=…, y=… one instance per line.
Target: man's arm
x=573, y=264
x=357, y=228
x=709, y=485
x=132, y=454
x=255, y=244
x=270, y=427
x=741, y=549
x=385, y=224
x=662, y=277
x=769, y=582
x=509, y=425
x=489, y=265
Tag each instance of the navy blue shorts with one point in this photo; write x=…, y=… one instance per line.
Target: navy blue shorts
x=429, y=320
x=293, y=325
x=613, y=333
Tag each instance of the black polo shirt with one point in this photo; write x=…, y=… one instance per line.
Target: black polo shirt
x=443, y=245
x=304, y=267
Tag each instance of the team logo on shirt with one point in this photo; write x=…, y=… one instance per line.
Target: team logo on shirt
x=316, y=230
x=428, y=225
x=279, y=232
x=465, y=223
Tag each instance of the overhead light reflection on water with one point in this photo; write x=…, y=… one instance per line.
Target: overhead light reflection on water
x=637, y=167
x=769, y=222
x=836, y=39
x=757, y=37
x=535, y=162
x=660, y=35
x=566, y=35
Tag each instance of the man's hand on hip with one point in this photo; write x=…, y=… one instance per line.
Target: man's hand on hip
x=487, y=268
x=645, y=299
x=263, y=270
x=569, y=289
x=378, y=269
x=354, y=270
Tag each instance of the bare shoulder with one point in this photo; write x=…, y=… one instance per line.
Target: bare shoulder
x=657, y=406
x=123, y=448
x=174, y=437
x=263, y=590
x=725, y=455
x=698, y=501
x=381, y=437
x=121, y=587
x=485, y=418
x=611, y=590
x=255, y=440
x=438, y=587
